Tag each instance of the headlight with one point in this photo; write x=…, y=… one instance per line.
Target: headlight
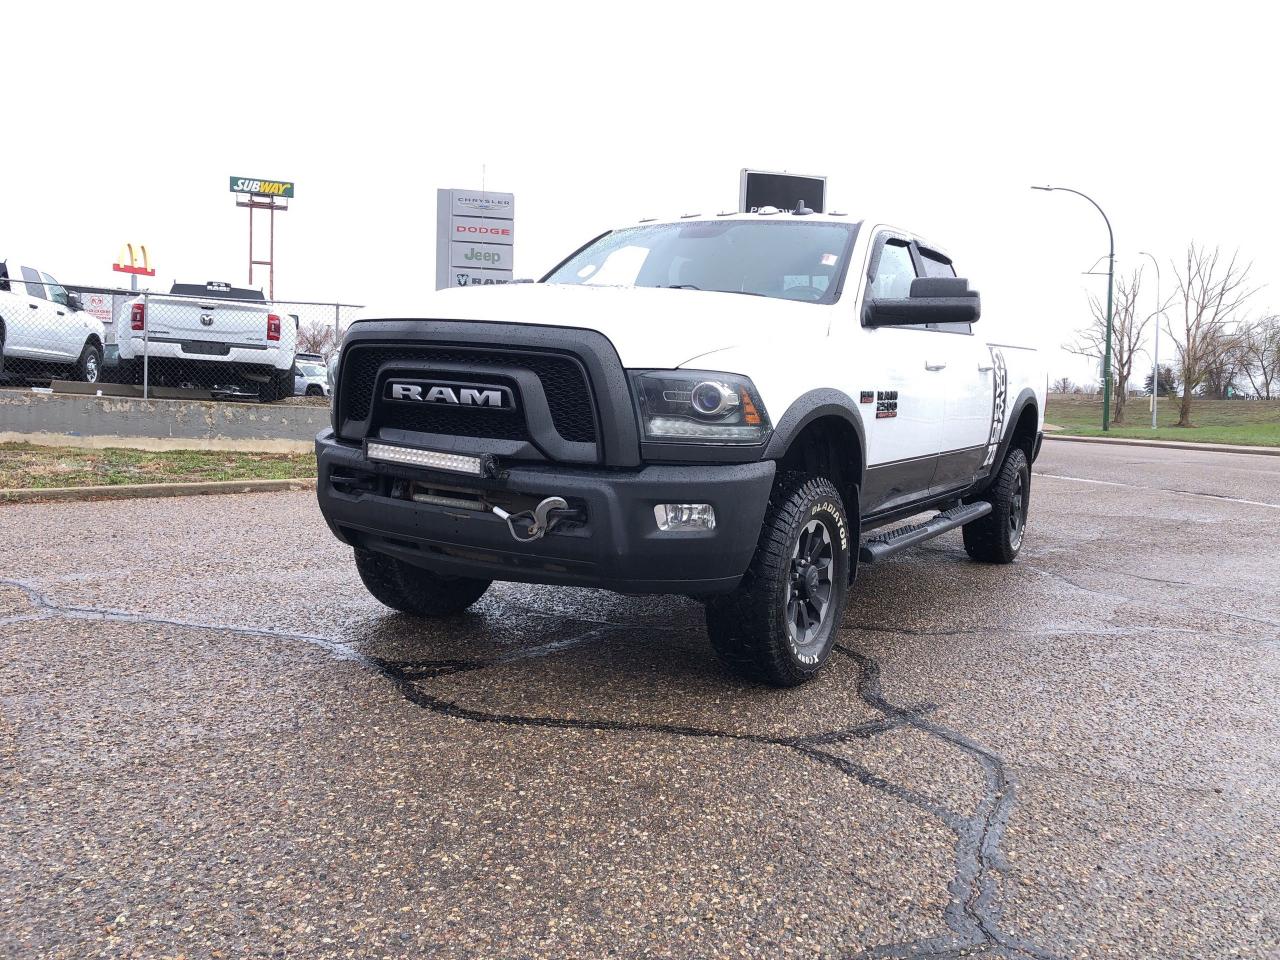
x=699, y=407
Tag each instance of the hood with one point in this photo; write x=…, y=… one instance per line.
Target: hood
x=648, y=327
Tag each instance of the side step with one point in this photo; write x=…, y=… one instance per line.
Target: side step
x=875, y=549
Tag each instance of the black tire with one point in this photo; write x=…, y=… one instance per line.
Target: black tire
x=997, y=537
x=277, y=387
x=130, y=371
x=89, y=366
x=765, y=629
x=314, y=391
x=411, y=589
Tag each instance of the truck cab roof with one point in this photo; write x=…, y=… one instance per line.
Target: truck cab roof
x=219, y=291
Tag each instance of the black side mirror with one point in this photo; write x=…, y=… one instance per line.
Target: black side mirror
x=73, y=301
x=932, y=300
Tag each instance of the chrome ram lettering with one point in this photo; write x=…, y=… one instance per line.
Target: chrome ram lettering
x=495, y=398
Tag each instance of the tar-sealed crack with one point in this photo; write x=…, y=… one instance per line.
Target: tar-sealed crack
x=972, y=916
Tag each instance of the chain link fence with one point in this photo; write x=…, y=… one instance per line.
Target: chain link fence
x=199, y=339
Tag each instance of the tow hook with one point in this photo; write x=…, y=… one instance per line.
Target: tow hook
x=539, y=519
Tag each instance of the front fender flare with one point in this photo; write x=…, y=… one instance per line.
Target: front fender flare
x=824, y=402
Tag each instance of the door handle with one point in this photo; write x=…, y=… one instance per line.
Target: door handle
x=62, y=313
x=34, y=306
x=934, y=366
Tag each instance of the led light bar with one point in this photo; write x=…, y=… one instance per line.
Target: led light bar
x=432, y=459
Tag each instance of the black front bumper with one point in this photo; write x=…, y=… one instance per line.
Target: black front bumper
x=618, y=547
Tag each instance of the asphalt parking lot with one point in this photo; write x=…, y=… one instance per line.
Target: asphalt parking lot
x=213, y=743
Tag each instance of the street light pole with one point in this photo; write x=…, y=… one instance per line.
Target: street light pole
x=1155, y=351
x=1111, y=282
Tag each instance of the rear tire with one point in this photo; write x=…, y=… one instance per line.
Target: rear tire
x=278, y=386
x=780, y=624
x=89, y=366
x=997, y=537
x=413, y=590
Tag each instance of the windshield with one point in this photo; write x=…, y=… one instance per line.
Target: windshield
x=786, y=259
x=311, y=369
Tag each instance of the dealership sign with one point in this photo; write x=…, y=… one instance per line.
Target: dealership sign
x=262, y=188
x=786, y=191
x=475, y=238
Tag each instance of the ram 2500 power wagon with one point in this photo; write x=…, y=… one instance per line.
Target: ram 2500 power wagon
x=730, y=408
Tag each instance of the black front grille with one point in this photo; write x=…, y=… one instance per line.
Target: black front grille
x=563, y=382
x=450, y=421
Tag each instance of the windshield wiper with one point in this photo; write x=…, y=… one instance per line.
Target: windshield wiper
x=690, y=286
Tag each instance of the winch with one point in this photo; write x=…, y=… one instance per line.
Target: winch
x=539, y=519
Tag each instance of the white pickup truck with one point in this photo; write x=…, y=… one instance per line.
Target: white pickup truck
x=208, y=335
x=43, y=329
x=733, y=408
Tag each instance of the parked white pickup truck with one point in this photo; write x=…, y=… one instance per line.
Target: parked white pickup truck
x=43, y=329
x=730, y=407
x=208, y=335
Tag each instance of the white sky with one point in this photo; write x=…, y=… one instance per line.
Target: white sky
x=126, y=120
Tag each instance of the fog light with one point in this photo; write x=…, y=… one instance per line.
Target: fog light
x=415, y=457
x=685, y=516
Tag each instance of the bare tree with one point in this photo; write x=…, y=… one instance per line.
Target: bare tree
x=1062, y=385
x=1260, y=351
x=317, y=338
x=1211, y=289
x=1127, y=329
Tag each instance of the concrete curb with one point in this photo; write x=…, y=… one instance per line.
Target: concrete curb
x=1170, y=444
x=129, y=491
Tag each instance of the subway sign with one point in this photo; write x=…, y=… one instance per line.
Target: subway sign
x=262, y=188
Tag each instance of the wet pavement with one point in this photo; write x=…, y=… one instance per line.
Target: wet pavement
x=213, y=743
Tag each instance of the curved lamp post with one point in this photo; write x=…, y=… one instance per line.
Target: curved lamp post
x=1111, y=279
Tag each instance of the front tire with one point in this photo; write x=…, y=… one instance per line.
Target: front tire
x=89, y=366
x=780, y=624
x=997, y=537
x=413, y=590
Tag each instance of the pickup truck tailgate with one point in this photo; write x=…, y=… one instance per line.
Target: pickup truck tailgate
x=215, y=321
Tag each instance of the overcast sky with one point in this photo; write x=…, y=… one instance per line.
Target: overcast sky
x=126, y=121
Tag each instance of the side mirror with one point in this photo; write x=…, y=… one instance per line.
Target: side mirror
x=932, y=300
x=73, y=301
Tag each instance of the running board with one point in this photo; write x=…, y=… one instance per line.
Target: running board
x=886, y=545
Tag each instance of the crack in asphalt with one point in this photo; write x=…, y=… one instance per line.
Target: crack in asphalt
x=972, y=915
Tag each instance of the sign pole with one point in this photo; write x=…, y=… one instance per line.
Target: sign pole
x=271, y=255
x=263, y=194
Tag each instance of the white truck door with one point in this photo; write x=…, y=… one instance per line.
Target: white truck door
x=70, y=329
x=966, y=388
x=36, y=333
x=900, y=388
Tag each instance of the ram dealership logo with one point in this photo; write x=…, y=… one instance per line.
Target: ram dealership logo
x=482, y=396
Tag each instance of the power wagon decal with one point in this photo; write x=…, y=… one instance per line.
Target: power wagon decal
x=999, y=403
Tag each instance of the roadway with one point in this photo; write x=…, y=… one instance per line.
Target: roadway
x=213, y=743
